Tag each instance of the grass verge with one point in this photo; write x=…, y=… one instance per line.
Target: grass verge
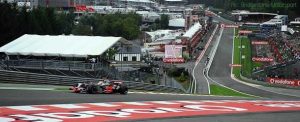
x=222, y=91
x=237, y=57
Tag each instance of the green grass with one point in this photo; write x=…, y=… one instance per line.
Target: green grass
x=222, y=91
x=239, y=51
x=257, y=64
x=246, y=62
x=185, y=84
x=236, y=58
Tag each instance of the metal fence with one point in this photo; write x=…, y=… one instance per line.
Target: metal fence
x=35, y=78
x=52, y=64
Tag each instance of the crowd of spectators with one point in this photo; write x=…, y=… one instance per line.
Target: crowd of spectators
x=285, y=50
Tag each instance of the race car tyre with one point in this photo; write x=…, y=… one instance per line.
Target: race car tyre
x=123, y=89
x=99, y=89
x=91, y=89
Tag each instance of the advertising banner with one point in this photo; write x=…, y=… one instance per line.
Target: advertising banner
x=257, y=59
x=245, y=32
x=173, y=51
x=173, y=60
x=289, y=82
x=84, y=8
x=259, y=42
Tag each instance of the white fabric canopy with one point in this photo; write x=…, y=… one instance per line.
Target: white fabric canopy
x=64, y=46
x=180, y=22
x=192, y=31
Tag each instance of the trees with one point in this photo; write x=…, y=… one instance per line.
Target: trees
x=164, y=21
x=16, y=21
x=9, y=25
x=124, y=25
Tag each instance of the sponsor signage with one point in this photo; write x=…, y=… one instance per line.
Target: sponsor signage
x=133, y=111
x=173, y=51
x=229, y=26
x=259, y=42
x=84, y=8
x=235, y=65
x=289, y=82
x=257, y=59
x=245, y=32
x=173, y=60
x=173, y=54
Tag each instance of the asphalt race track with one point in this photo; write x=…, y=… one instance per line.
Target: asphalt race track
x=41, y=97
x=28, y=97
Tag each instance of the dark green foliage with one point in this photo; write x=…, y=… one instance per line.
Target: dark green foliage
x=15, y=22
x=124, y=25
x=177, y=72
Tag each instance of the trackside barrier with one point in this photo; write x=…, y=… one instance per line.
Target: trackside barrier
x=35, y=78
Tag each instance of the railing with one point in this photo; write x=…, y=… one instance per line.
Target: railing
x=59, y=65
x=35, y=78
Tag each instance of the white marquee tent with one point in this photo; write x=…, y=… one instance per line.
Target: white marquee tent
x=193, y=30
x=64, y=46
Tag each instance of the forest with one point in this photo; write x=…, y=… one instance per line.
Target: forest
x=16, y=21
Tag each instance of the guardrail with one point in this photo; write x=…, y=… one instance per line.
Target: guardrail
x=51, y=64
x=35, y=78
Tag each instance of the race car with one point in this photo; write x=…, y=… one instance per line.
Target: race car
x=102, y=87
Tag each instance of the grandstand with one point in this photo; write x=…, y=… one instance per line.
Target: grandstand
x=284, y=49
x=252, y=17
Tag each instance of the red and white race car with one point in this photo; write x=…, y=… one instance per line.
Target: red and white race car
x=102, y=87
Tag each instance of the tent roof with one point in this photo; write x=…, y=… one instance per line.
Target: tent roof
x=64, y=46
x=180, y=22
x=193, y=30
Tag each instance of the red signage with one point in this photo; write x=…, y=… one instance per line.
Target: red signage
x=257, y=59
x=84, y=8
x=245, y=32
x=173, y=60
x=259, y=42
x=283, y=81
x=231, y=26
x=235, y=65
x=134, y=111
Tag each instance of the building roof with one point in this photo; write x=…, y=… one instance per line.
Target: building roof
x=193, y=30
x=148, y=14
x=251, y=13
x=64, y=46
x=138, y=1
x=157, y=34
x=295, y=22
x=177, y=22
x=175, y=1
